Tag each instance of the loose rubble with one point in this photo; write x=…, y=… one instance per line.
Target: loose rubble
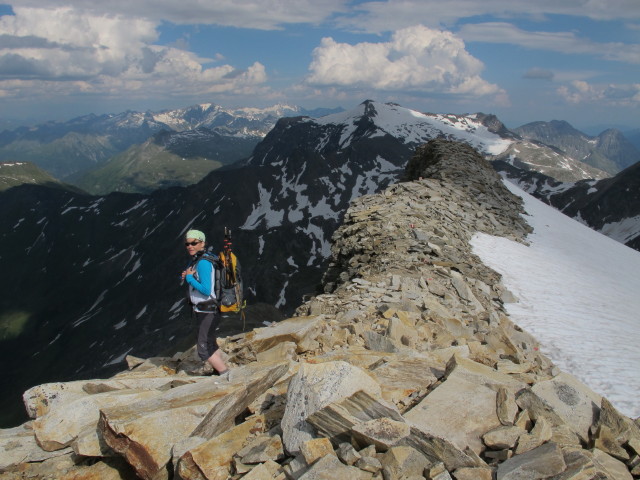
x=406, y=367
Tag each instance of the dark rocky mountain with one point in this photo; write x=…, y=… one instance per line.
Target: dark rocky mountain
x=66, y=149
x=610, y=151
x=14, y=174
x=167, y=159
x=610, y=206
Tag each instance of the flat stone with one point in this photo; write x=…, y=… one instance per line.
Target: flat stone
x=540, y=434
x=347, y=453
x=314, y=387
x=145, y=432
x=383, y=433
x=401, y=331
x=65, y=422
x=438, y=472
x=404, y=461
x=610, y=466
x=623, y=428
x=262, y=449
x=572, y=401
x=109, y=469
x=41, y=399
x=213, y=458
x=252, y=381
x=503, y=437
x=336, y=420
x=579, y=463
x=369, y=464
x=473, y=474
x=278, y=353
x=330, y=467
x=506, y=406
x=294, y=330
x=18, y=445
x=606, y=441
x=403, y=375
x=316, y=448
x=439, y=449
x=379, y=343
x=259, y=472
x=542, y=462
x=463, y=407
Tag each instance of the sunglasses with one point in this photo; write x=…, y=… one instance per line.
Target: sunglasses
x=193, y=244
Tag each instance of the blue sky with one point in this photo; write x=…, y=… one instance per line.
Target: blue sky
x=574, y=60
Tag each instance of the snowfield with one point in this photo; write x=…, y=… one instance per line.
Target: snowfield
x=579, y=295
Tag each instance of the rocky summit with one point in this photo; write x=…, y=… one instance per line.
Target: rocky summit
x=406, y=367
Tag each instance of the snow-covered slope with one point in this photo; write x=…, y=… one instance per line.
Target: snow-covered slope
x=578, y=295
x=414, y=127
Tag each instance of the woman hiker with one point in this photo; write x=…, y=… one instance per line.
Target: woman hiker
x=200, y=276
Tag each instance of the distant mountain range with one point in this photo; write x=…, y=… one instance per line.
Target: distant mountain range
x=610, y=206
x=90, y=279
x=610, y=151
x=140, y=152
x=14, y=174
x=75, y=151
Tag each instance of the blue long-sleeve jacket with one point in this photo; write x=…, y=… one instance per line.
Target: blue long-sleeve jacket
x=202, y=280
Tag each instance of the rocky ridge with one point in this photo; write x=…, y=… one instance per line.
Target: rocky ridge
x=407, y=367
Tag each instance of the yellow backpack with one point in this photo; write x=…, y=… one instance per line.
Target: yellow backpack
x=231, y=298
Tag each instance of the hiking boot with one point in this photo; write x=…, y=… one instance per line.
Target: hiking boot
x=224, y=377
x=204, y=370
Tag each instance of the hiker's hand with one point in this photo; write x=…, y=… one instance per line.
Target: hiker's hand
x=189, y=271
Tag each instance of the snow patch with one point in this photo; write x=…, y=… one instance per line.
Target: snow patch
x=578, y=295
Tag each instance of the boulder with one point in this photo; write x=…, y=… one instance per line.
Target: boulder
x=18, y=445
x=249, y=383
x=404, y=461
x=299, y=330
x=145, y=432
x=347, y=453
x=463, y=407
x=503, y=437
x=610, y=467
x=571, y=400
x=439, y=449
x=212, y=459
x=540, y=434
x=314, y=387
x=316, y=448
x=383, y=433
x=65, y=422
x=282, y=351
x=506, y=406
x=330, y=467
x=261, y=449
x=403, y=375
x=336, y=420
x=542, y=462
x=473, y=474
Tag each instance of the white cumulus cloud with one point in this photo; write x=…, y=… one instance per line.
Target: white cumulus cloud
x=581, y=92
x=416, y=58
x=258, y=14
x=63, y=48
x=563, y=42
